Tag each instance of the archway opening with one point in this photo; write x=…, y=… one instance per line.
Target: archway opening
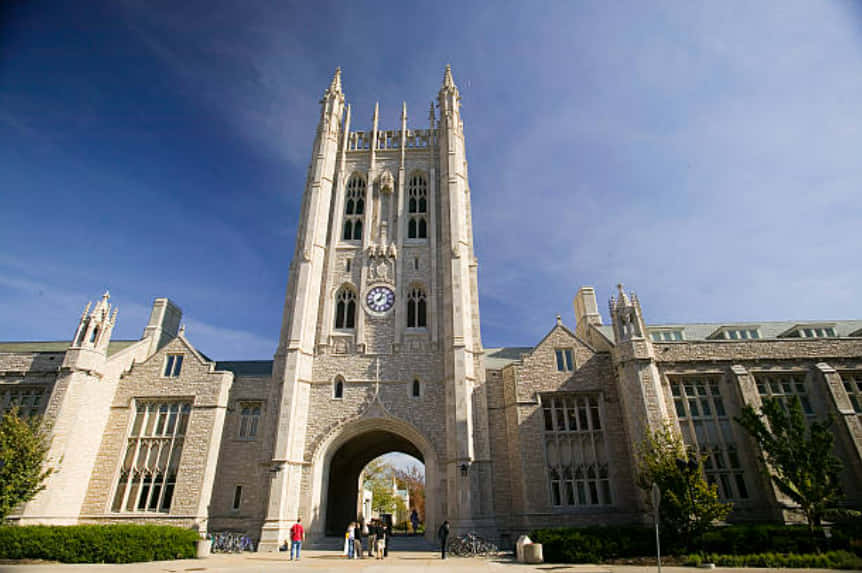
x=343, y=501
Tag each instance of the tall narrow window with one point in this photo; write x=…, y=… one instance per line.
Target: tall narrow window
x=707, y=428
x=153, y=449
x=354, y=209
x=416, y=308
x=338, y=389
x=345, y=308
x=575, y=450
x=415, y=391
x=249, y=420
x=237, y=497
x=173, y=365
x=417, y=207
x=853, y=385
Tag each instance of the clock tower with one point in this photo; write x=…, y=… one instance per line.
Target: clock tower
x=380, y=336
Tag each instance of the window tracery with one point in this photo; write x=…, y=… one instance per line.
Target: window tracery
x=417, y=315
x=354, y=209
x=345, y=308
x=417, y=207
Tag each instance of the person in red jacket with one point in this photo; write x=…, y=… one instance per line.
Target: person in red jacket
x=297, y=536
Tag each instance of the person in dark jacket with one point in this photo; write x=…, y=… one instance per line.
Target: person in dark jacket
x=443, y=534
x=357, y=541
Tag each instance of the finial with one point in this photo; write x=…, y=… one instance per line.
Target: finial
x=431, y=112
x=183, y=329
x=559, y=320
x=107, y=295
x=403, y=110
x=623, y=299
x=448, y=82
x=376, y=111
x=335, y=85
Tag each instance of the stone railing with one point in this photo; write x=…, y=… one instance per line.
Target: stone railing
x=389, y=140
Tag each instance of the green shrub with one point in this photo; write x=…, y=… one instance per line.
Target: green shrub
x=594, y=544
x=97, y=543
x=829, y=560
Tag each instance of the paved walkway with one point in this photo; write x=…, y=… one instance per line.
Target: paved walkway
x=324, y=561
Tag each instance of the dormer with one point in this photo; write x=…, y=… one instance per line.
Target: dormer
x=666, y=334
x=736, y=332
x=810, y=330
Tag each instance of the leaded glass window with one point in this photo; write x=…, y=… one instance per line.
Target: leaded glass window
x=28, y=399
x=575, y=450
x=708, y=429
x=853, y=385
x=783, y=387
x=152, y=459
x=354, y=209
x=249, y=420
x=417, y=207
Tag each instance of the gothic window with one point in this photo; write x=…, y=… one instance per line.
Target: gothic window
x=575, y=451
x=345, y=308
x=153, y=449
x=415, y=389
x=784, y=387
x=354, y=209
x=416, y=308
x=173, y=365
x=853, y=385
x=417, y=207
x=249, y=420
x=28, y=400
x=707, y=429
x=338, y=389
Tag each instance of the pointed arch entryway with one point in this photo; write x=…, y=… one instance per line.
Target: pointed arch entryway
x=341, y=456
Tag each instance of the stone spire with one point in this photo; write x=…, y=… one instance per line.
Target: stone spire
x=335, y=85
x=448, y=81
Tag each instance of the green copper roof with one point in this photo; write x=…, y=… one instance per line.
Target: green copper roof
x=56, y=346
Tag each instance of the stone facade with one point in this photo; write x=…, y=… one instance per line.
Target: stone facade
x=380, y=351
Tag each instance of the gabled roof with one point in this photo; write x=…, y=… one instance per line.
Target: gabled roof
x=28, y=347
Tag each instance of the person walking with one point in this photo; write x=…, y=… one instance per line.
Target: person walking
x=372, y=537
x=381, y=540
x=357, y=541
x=349, y=539
x=414, y=521
x=443, y=534
x=297, y=536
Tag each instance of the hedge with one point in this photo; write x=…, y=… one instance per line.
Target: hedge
x=828, y=560
x=97, y=543
x=597, y=544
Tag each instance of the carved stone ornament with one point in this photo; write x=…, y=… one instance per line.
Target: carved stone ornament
x=386, y=181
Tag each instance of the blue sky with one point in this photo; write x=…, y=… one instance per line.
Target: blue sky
x=707, y=155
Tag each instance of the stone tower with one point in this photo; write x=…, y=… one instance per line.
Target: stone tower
x=380, y=347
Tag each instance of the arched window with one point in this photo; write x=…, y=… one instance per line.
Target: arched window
x=415, y=390
x=338, y=388
x=345, y=308
x=354, y=209
x=416, y=308
x=417, y=207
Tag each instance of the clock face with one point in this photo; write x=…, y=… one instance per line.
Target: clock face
x=380, y=299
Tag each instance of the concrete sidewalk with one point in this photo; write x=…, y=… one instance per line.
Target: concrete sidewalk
x=318, y=561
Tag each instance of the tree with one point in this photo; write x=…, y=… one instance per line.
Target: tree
x=799, y=455
x=413, y=480
x=377, y=477
x=689, y=505
x=23, y=452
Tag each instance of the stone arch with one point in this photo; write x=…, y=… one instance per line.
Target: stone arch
x=361, y=440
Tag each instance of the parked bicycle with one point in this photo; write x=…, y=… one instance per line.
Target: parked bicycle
x=472, y=545
x=230, y=542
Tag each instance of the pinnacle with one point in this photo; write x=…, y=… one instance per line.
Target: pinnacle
x=448, y=81
x=335, y=85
